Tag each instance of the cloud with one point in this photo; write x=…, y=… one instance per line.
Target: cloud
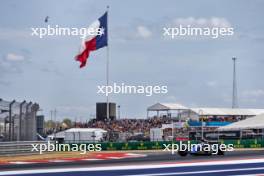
x=14, y=57
x=75, y=111
x=252, y=96
x=253, y=93
x=11, y=63
x=142, y=29
x=143, y=32
x=4, y=83
x=211, y=83
x=171, y=98
x=202, y=22
x=14, y=34
x=51, y=69
x=132, y=32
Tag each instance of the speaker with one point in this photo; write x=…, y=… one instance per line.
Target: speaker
x=101, y=111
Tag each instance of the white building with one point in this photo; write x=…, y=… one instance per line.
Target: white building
x=80, y=135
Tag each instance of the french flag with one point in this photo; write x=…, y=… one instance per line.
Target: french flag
x=93, y=42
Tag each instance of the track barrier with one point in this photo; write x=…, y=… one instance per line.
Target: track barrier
x=110, y=146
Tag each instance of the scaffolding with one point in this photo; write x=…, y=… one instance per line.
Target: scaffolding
x=18, y=120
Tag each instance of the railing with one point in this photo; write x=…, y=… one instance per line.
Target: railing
x=18, y=148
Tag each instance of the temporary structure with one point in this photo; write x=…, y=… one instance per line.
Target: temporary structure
x=227, y=111
x=84, y=134
x=79, y=135
x=256, y=122
x=167, y=107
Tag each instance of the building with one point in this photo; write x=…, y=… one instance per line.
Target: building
x=76, y=135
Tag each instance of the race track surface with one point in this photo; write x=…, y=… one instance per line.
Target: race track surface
x=153, y=164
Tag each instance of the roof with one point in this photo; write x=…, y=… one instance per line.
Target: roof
x=227, y=111
x=256, y=122
x=85, y=130
x=166, y=106
x=60, y=134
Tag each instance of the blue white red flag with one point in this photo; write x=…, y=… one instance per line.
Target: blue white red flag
x=96, y=39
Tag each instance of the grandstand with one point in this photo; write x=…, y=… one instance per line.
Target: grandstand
x=212, y=117
x=256, y=122
x=176, y=122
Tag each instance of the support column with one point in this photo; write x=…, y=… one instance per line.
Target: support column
x=11, y=122
x=27, y=122
x=20, y=119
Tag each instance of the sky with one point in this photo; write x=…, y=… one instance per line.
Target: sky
x=197, y=70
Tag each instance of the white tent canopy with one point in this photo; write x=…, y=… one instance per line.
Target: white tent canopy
x=166, y=107
x=60, y=134
x=86, y=130
x=79, y=134
x=227, y=111
x=196, y=112
x=84, y=134
x=256, y=122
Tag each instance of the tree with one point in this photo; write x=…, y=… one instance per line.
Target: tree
x=50, y=124
x=67, y=122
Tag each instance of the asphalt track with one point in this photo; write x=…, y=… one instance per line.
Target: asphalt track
x=157, y=164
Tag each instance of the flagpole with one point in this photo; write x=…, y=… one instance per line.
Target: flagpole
x=107, y=66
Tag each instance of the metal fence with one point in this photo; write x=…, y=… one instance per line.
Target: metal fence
x=18, y=148
x=18, y=120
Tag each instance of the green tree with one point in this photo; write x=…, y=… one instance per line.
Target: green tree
x=67, y=122
x=49, y=124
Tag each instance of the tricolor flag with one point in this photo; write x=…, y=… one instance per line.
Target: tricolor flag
x=94, y=41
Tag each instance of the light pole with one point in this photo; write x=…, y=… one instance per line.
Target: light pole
x=55, y=113
x=118, y=111
x=172, y=130
x=234, y=97
x=202, y=129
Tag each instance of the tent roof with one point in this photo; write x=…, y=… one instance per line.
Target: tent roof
x=256, y=122
x=60, y=134
x=85, y=130
x=227, y=111
x=166, y=106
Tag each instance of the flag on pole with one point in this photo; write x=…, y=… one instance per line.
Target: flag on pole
x=94, y=41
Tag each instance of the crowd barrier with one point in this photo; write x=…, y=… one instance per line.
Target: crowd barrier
x=18, y=147
x=243, y=143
